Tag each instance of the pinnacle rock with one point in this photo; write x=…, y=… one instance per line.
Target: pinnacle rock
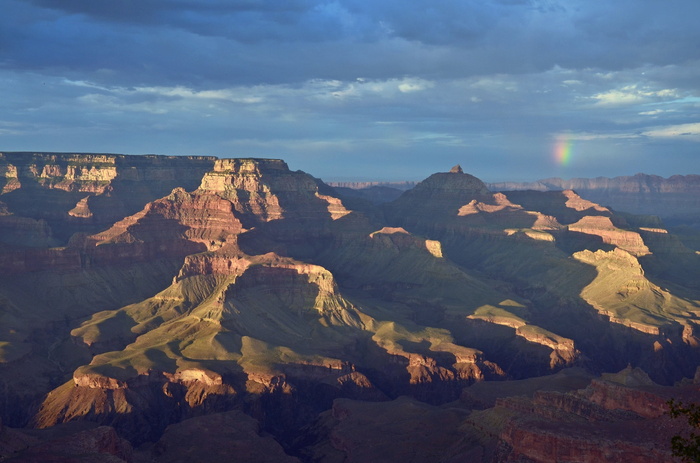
x=456, y=170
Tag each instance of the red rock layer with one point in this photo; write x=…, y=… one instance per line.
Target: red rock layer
x=607, y=422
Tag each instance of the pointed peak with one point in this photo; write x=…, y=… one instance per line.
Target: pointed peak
x=456, y=170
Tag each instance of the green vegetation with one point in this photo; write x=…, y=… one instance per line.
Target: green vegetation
x=686, y=447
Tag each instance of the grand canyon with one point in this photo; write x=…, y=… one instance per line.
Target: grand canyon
x=173, y=308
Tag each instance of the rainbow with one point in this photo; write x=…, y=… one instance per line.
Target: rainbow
x=562, y=149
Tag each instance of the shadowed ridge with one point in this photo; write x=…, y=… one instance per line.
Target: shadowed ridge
x=566, y=290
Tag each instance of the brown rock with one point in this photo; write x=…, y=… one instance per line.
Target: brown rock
x=606, y=422
x=602, y=226
x=230, y=436
x=674, y=199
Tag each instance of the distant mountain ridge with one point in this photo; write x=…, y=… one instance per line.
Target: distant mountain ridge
x=631, y=183
x=675, y=199
x=403, y=186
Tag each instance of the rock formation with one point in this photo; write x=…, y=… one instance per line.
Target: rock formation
x=675, y=199
x=65, y=444
x=616, y=418
x=88, y=192
x=161, y=295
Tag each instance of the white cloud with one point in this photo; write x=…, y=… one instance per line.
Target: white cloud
x=691, y=131
x=414, y=85
x=632, y=94
x=365, y=88
x=233, y=95
x=655, y=112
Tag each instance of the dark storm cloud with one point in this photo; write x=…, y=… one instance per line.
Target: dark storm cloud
x=245, y=21
x=336, y=82
x=293, y=41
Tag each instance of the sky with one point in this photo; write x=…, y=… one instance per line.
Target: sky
x=361, y=89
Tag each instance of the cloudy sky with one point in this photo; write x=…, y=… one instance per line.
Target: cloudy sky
x=361, y=89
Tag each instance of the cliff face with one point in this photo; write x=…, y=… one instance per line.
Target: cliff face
x=536, y=241
x=259, y=323
x=607, y=421
x=88, y=192
x=675, y=199
x=238, y=284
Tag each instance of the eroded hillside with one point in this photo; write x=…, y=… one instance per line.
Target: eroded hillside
x=140, y=292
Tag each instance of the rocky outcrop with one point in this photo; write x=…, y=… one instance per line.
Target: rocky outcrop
x=180, y=224
x=89, y=192
x=214, y=263
x=254, y=288
x=602, y=226
x=501, y=202
x=241, y=182
x=567, y=206
x=69, y=172
x=139, y=406
x=440, y=193
x=607, y=421
x=675, y=199
x=622, y=292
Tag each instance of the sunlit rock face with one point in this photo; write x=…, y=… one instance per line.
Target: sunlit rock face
x=140, y=293
x=674, y=199
x=89, y=192
x=535, y=241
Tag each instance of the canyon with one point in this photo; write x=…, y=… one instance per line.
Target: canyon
x=164, y=308
x=675, y=199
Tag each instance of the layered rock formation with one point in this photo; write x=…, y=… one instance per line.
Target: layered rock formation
x=528, y=239
x=621, y=417
x=675, y=199
x=178, y=297
x=65, y=444
x=89, y=192
x=569, y=416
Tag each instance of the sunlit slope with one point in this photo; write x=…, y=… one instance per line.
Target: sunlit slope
x=270, y=314
x=575, y=265
x=621, y=291
x=271, y=324
x=285, y=293
x=228, y=299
